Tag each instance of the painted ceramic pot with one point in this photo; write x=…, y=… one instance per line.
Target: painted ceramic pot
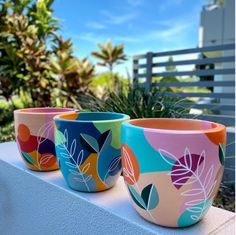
x=88, y=149
x=35, y=137
x=172, y=168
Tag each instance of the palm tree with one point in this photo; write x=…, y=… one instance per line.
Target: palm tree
x=110, y=55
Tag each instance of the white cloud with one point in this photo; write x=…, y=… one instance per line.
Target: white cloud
x=95, y=25
x=173, y=34
x=117, y=19
x=96, y=38
x=168, y=33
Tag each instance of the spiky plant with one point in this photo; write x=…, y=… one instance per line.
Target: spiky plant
x=135, y=102
x=110, y=55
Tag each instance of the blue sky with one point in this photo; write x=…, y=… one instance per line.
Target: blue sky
x=142, y=25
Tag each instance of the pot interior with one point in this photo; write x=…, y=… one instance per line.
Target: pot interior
x=174, y=124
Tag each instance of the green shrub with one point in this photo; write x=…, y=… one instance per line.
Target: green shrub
x=7, y=132
x=6, y=113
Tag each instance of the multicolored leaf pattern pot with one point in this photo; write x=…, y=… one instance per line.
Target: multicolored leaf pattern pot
x=172, y=168
x=35, y=137
x=88, y=149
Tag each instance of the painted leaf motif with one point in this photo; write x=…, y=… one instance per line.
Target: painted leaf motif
x=59, y=138
x=74, y=172
x=187, y=158
x=130, y=165
x=87, y=178
x=193, y=192
x=183, y=169
x=166, y=156
x=45, y=159
x=71, y=165
x=73, y=148
x=64, y=155
x=28, y=158
x=208, y=177
x=115, y=166
x=104, y=140
x=201, y=164
x=85, y=168
x=210, y=190
x=80, y=157
x=193, y=202
x=136, y=197
x=44, y=131
x=150, y=196
x=195, y=209
x=66, y=137
x=89, y=143
x=222, y=148
x=81, y=180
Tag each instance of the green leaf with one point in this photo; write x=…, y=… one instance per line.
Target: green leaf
x=150, y=196
x=59, y=137
x=136, y=197
x=28, y=158
x=91, y=141
x=222, y=148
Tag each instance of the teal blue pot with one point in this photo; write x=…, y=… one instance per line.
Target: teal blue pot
x=88, y=149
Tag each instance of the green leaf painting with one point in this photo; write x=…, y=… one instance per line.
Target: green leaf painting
x=59, y=137
x=149, y=197
x=28, y=158
x=136, y=197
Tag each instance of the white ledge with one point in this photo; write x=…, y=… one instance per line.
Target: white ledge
x=41, y=203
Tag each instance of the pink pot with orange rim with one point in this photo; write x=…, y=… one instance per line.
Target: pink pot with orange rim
x=35, y=137
x=172, y=167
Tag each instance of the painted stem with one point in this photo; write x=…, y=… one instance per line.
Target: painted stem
x=77, y=167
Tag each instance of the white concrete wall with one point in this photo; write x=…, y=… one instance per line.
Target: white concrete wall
x=40, y=203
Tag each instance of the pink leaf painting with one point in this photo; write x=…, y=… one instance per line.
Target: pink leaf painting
x=184, y=167
x=188, y=166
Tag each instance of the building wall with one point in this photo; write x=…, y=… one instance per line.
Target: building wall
x=217, y=24
x=217, y=27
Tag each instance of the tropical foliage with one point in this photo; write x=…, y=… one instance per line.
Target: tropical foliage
x=110, y=55
x=73, y=75
x=27, y=26
x=47, y=74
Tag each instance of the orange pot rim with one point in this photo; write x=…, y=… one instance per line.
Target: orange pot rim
x=146, y=124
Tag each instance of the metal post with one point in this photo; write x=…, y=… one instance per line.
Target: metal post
x=135, y=72
x=148, y=84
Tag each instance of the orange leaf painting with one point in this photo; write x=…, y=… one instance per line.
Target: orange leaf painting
x=47, y=160
x=130, y=165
